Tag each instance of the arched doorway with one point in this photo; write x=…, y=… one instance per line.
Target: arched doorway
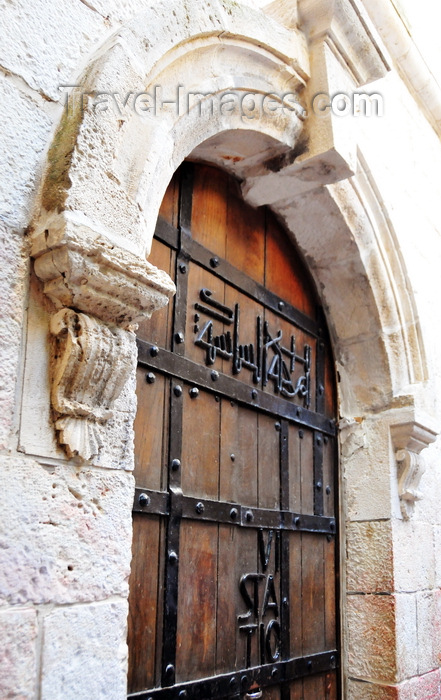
x=233, y=586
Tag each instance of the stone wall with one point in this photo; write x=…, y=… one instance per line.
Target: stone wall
x=363, y=202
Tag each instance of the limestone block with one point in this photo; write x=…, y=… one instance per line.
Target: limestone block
x=369, y=557
x=85, y=652
x=429, y=630
x=49, y=41
x=414, y=556
x=25, y=132
x=13, y=279
x=437, y=545
x=424, y=687
x=371, y=637
x=66, y=533
x=18, y=654
x=365, y=461
x=406, y=622
x=365, y=690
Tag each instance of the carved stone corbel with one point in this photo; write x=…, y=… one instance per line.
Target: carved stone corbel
x=91, y=364
x=410, y=439
x=102, y=292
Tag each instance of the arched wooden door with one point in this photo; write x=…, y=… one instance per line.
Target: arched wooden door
x=233, y=584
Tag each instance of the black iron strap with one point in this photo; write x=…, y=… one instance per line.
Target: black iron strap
x=218, y=383
x=231, y=685
x=158, y=503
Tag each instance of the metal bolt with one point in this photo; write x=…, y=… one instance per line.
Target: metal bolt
x=179, y=338
x=298, y=411
x=143, y=500
x=214, y=375
x=169, y=669
x=177, y=390
x=277, y=425
x=217, y=398
x=183, y=268
x=274, y=672
x=175, y=464
x=194, y=392
x=172, y=557
x=232, y=457
x=319, y=440
x=214, y=262
x=332, y=525
x=199, y=508
x=297, y=521
x=233, y=683
x=328, y=490
x=244, y=680
x=150, y=378
x=182, y=694
x=281, y=305
x=309, y=665
x=234, y=513
x=301, y=434
x=332, y=660
x=249, y=516
x=254, y=394
x=154, y=350
x=285, y=602
x=326, y=439
x=319, y=485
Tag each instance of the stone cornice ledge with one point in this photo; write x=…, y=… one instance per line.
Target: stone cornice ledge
x=410, y=438
x=84, y=270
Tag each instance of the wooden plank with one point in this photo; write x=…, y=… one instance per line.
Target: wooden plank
x=237, y=556
x=196, y=633
x=238, y=474
x=295, y=595
x=157, y=329
x=170, y=203
x=285, y=273
x=306, y=470
x=294, y=456
x=209, y=213
x=313, y=600
x=331, y=686
x=329, y=480
x=330, y=594
x=200, y=444
x=145, y=584
x=245, y=241
x=314, y=688
x=148, y=427
x=268, y=462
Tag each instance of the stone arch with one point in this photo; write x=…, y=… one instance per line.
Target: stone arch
x=108, y=171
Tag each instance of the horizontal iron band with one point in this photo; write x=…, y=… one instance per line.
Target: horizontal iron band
x=158, y=503
x=194, y=251
x=182, y=368
x=240, y=682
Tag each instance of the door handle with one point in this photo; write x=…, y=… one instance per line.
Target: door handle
x=254, y=696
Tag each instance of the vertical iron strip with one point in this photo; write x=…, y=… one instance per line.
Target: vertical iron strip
x=318, y=438
x=170, y=613
x=284, y=547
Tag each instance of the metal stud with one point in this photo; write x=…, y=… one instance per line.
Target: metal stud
x=183, y=268
x=182, y=694
x=254, y=394
x=319, y=485
x=169, y=669
x=143, y=500
x=309, y=665
x=332, y=525
x=214, y=262
x=177, y=390
x=297, y=521
x=179, y=337
x=321, y=389
x=319, y=440
x=301, y=434
x=249, y=516
x=194, y=392
x=175, y=464
x=150, y=378
x=328, y=490
x=234, y=513
x=326, y=439
x=199, y=508
x=214, y=375
x=172, y=557
x=281, y=305
x=154, y=350
x=277, y=425
x=232, y=457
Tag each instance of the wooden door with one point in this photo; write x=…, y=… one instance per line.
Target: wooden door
x=233, y=591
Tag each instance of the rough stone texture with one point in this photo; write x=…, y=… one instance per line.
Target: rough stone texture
x=85, y=652
x=365, y=690
x=25, y=135
x=13, y=274
x=406, y=636
x=365, y=461
x=414, y=560
x=49, y=41
x=369, y=557
x=71, y=533
x=426, y=687
x=18, y=654
x=371, y=642
x=429, y=630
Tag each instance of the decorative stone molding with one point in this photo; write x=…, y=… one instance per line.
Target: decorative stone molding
x=410, y=440
x=86, y=271
x=91, y=364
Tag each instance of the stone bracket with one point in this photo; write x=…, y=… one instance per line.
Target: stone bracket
x=85, y=270
x=91, y=365
x=410, y=439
